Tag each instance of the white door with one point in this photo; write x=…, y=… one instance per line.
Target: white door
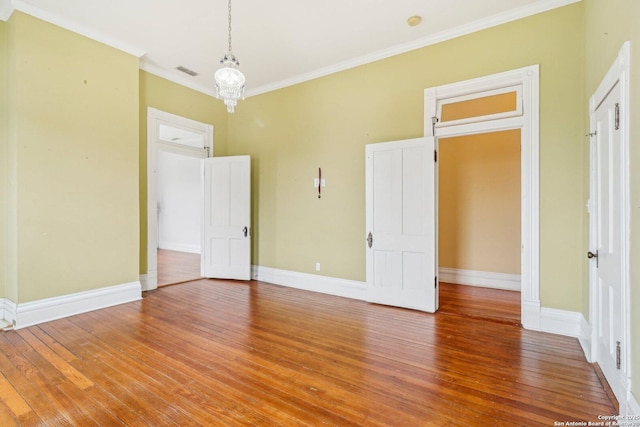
x=226, y=242
x=401, y=224
x=607, y=236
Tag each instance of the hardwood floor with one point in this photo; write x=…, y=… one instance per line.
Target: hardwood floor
x=177, y=267
x=480, y=303
x=248, y=353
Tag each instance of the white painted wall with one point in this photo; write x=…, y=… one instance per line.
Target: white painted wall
x=179, y=202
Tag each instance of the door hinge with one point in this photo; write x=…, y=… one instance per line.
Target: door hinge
x=434, y=120
x=435, y=155
x=617, y=117
x=207, y=151
x=618, y=357
x=435, y=285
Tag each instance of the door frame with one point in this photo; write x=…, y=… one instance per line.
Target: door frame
x=527, y=80
x=618, y=74
x=155, y=118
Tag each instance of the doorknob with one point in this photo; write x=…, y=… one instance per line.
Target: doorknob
x=370, y=239
x=591, y=255
x=245, y=230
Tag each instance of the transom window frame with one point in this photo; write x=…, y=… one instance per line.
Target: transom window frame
x=517, y=112
x=528, y=78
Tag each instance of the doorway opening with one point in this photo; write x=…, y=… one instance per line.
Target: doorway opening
x=175, y=149
x=179, y=201
x=479, y=225
x=492, y=107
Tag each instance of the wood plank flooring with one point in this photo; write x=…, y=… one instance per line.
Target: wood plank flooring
x=177, y=267
x=475, y=302
x=231, y=353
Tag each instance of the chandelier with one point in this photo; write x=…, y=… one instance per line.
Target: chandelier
x=229, y=79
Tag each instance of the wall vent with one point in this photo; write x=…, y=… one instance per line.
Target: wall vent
x=186, y=70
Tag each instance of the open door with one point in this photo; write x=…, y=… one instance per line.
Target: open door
x=401, y=224
x=226, y=241
x=609, y=228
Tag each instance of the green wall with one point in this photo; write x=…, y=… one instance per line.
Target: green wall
x=328, y=121
x=10, y=152
x=608, y=24
x=73, y=163
x=3, y=141
x=170, y=97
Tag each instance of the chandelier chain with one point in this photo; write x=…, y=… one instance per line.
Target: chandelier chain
x=229, y=25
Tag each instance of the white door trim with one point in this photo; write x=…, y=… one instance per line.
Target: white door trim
x=618, y=74
x=528, y=79
x=154, y=119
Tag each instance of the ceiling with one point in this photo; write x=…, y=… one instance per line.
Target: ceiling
x=278, y=42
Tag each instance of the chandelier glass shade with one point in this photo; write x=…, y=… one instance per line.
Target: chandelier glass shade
x=229, y=79
x=229, y=82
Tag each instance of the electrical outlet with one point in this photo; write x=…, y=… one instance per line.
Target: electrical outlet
x=317, y=266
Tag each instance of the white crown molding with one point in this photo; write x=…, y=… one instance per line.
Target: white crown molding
x=183, y=81
x=7, y=7
x=492, y=21
x=6, y=10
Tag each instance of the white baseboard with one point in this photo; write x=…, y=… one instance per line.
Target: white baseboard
x=486, y=279
x=554, y=321
x=561, y=322
x=7, y=313
x=530, y=314
x=585, y=338
x=144, y=281
x=311, y=282
x=149, y=281
x=32, y=313
x=543, y=319
x=180, y=247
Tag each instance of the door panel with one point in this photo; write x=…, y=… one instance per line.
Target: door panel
x=400, y=193
x=608, y=217
x=226, y=249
